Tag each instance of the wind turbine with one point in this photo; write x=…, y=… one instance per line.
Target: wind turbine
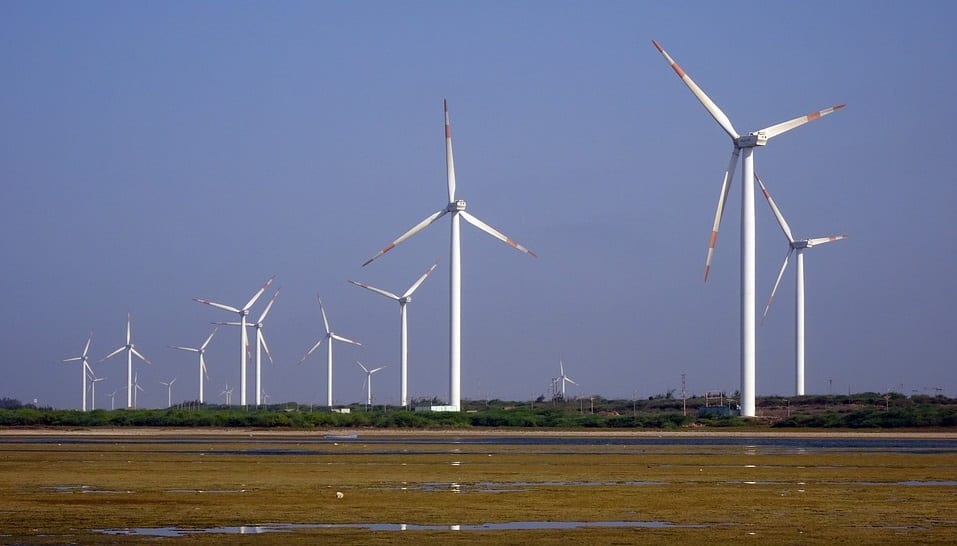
x=136, y=388
x=201, y=350
x=564, y=378
x=112, y=396
x=455, y=207
x=330, y=336
x=369, y=380
x=794, y=247
x=93, y=381
x=169, y=391
x=130, y=351
x=742, y=146
x=260, y=343
x=403, y=300
x=228, y=393
x=84, y=360
x=243, y=342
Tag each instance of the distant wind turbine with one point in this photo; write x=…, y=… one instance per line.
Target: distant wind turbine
x=112, y=396
x=228, y=393
x=456, y=208
x=260, y=343
x=564, y=378
x=403, y=300
x=746, y=144
x=169, y=391
x=243, y=341
x=130, y=351
x=84, y=361
x=93, y=381
x=201, y=350
x=369, y=380
x=794, y=247
x=136, y=389
x=330, y=337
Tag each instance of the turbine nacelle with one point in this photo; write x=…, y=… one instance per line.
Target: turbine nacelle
x=456, y=206
x=751, y=140
x=798, y=245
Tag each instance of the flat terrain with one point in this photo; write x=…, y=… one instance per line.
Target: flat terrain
x=206, y=486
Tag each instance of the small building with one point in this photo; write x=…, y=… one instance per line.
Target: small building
x=435, y=408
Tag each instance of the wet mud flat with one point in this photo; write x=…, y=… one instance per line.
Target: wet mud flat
x=88, y=487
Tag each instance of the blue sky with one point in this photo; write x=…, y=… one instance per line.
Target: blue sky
x=152, y=153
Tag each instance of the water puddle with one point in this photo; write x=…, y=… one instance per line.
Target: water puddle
x=508, y=487
x=82, y=489
x=288, y=527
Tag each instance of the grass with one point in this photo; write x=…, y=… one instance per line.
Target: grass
x=815, y=497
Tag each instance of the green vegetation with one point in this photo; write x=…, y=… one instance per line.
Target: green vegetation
x=865, y=410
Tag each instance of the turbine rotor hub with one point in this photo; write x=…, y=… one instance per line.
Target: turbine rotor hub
x=752, y=140
x=456, y=206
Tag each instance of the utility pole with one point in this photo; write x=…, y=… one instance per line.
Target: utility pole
x=684, y=397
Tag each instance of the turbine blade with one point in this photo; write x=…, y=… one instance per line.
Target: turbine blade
x=258, y=293
x=141, y=357
x=337, y=337
x=366, y=370
x=272, y=300
x=191, y=349
x=208, y=339
x=374, y=370
x=385, y=293
x=262, y=341
x=495, y=233
x=202, y=365
x=114, y=353
x=129, y=327
x=217, y=305
x=774, y=208
x=86, y=349
x=72, y=359
x=705, y=101
x=776, y=130
x=722, y=199
x=570, y=380
x=777, y=282
x=821, y=240
x=232, y=323
x=415, y=229
x=449, y=163
x=322, y=309
x=310, y=351
x=415, y=286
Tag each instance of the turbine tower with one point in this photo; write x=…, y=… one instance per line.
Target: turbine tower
x=455, y=207
x=243, y=342
x=794, y=247
x=201, y=350
x=330, y=337
x=368, y=384
x=130, y=351
x=83, y=359
x=744, y=147
x=403, y=300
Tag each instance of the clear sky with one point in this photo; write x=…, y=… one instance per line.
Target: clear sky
x=151, y=153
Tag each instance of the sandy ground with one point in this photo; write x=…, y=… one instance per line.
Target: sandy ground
x=147, y=432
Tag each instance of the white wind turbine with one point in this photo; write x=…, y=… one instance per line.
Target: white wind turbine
x=260, y=344
x=455, y=207
x=130, y=351
x=746, y=144
x=228, y=393
x=112, y=396
x=201, y=350
x=403, y=300
x=84, y=361
x=330, y=336
x=136, y=389
x=169, y=391
x=93, y=381
x=794, y=247
x=564, y=378
x=243, y=342
x=368, y=384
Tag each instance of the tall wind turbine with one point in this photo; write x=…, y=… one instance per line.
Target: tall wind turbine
x=260, y=344
x=794, y=247
x=330, y=337
x=130, y=351
x=83, y=359
x=201, y=350
x=455, y=207
x=369, y=380
x=564, y=378
x=243, y=342
x=169, y=391
x=403, y=300
x=742, y=146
